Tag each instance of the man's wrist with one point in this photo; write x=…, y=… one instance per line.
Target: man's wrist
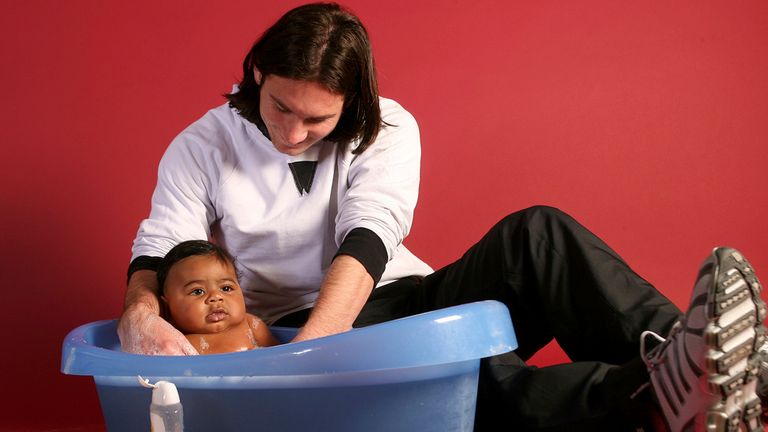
x=143, y=289
x=142, y=308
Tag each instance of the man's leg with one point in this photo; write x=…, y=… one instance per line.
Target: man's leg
x=580, y=396
x=558, y=280
x=561, y=281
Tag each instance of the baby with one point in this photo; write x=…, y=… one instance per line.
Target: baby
x=200, y=289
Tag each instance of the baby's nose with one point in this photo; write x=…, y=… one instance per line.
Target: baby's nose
x=214, y=297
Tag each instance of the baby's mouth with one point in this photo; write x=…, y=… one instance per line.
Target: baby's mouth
x=216, y=315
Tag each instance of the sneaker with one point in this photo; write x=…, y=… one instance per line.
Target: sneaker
x=762, y=381
x=704, y=374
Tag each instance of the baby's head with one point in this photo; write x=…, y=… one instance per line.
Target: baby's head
x=199, y=285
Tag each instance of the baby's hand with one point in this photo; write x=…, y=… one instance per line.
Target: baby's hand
x=142, y=331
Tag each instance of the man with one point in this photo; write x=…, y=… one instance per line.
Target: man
x=310, y=179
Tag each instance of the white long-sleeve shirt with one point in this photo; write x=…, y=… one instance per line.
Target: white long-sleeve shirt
x=222, y=178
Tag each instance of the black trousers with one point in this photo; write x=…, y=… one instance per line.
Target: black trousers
x=559, y=281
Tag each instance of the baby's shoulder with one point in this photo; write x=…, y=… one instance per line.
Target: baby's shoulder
x=254, y=321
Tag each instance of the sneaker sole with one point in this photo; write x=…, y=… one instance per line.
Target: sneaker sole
x=734, y=335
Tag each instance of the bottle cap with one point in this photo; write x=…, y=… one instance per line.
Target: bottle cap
x=165, y=393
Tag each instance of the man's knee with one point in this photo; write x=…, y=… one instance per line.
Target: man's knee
x=536, y=214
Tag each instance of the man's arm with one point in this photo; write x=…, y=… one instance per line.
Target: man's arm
x=344, y=291
x=374, y=217
x=141, y=329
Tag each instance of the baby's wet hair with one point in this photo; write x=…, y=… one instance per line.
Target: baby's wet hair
x=187, y=249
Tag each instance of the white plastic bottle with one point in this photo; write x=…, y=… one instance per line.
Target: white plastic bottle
x=165, y=413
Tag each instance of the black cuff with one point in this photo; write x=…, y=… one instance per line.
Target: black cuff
x=365, y=246
x=143, y=263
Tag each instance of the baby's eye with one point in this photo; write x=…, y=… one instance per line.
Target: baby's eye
x=227, y=288
x=197, y=292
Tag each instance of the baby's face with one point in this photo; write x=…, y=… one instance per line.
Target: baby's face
x=203, y=295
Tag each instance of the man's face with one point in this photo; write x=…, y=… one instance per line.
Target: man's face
x=297, y=113
x=203, y=295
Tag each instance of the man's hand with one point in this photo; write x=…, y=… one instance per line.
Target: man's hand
x=344, y=291
x=142, y=331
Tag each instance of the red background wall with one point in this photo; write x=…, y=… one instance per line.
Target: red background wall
x=644, y=120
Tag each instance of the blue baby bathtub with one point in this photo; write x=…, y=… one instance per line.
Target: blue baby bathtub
x=417, y=373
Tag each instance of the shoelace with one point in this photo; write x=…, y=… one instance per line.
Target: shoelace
x=649, y=359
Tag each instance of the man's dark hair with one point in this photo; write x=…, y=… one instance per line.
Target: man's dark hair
x=187, y=249
x=323, y=43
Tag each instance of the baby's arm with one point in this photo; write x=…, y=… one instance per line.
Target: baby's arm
x=261, y=332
